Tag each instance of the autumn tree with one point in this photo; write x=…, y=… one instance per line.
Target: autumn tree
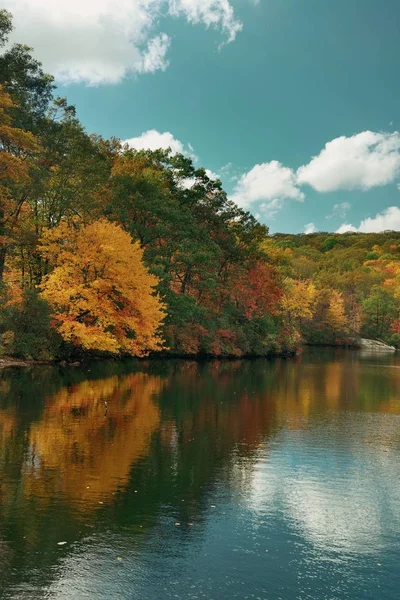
x=102, y=295
x=257, y=290
x=17, y=149
x=297, y=303
x=204, y=249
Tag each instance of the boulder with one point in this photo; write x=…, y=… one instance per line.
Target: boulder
x=375, y=345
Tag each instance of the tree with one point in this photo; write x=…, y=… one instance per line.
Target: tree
x=336, y=317
x=27, y=329
x=17, y=149
x=24, y=79
x=297, y=301
x=380, y=311
x=256, y=290
x=101, y=293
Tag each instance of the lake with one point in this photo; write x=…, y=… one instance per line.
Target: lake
x=252, y=479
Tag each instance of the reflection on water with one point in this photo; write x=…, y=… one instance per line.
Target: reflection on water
x=258, y=479
x=89, y=436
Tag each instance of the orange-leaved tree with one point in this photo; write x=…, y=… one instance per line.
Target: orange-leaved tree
x=101, y=293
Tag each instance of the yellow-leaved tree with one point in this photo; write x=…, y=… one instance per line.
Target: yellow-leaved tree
x=101, y=293
x=336, y=316
x=297, y=302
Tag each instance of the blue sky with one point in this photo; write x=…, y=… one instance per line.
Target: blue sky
x=294, y=104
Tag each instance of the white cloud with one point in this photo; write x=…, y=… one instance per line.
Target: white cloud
x=362, y=161
x=211, y=175
x=310, y=228
x=229, y=173
x=212, y=13
x=270, y=208
x=346, y=227
x=388, y=219
x=269, y=184
x=153, y=140
x=339, y=210
x=154, y=59
x=97, y=41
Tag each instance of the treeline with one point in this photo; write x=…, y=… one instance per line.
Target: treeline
x=108, y=250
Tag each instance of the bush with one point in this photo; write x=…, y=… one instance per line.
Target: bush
x=394, y=340
x=27, y=332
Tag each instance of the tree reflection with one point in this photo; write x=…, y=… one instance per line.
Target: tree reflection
x=89, y=436
x=122, y=445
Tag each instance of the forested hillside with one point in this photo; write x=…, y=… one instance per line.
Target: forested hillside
x=108, y=250
x=344, y=285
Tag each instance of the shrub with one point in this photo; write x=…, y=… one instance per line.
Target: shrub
x=27, y=330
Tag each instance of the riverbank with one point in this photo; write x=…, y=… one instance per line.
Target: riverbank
x=352, y=343
x=10, y=362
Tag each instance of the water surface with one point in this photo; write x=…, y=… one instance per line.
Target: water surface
x=171, y=479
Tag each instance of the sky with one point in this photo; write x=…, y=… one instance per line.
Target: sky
x=293, y=104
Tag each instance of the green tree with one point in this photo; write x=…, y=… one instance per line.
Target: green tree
x=380, y=310
x=24, y=79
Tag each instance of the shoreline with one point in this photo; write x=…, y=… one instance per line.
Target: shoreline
x=374, y=345
x=10, y=362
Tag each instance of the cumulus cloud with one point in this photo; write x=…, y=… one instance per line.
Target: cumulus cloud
x=362, y=161
x=153, y=140
x=211, y=175
x=310, y=228
x=346, y=227
x=266, y=185
x=95, y=41
x=388, y=219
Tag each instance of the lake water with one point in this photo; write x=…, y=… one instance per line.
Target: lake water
x=264, y=479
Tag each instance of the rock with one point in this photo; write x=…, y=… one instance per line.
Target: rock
x=14, y=362
x=375, y=345
x=64, y=363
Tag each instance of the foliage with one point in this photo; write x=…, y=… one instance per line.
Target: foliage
x=17, y=148
x=101, y=293
x=356, y=278
x=26, y=329
x=380, y=310
x=138, y=251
